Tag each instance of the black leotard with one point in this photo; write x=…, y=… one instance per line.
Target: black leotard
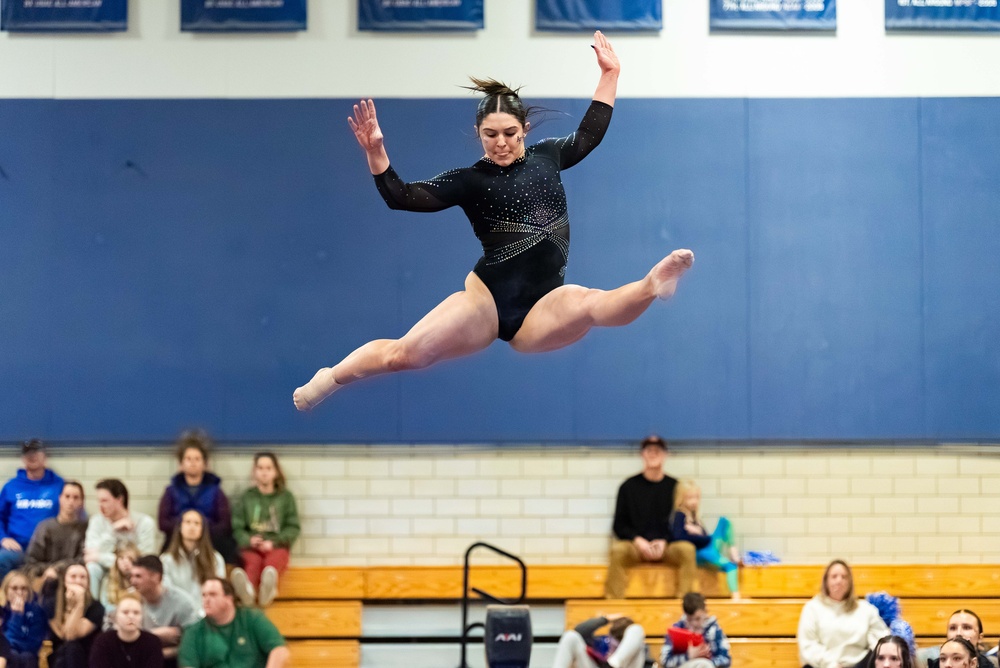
x=518, y=212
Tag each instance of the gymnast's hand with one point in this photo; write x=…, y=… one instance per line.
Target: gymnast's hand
x=365, y=126
x=607, y=60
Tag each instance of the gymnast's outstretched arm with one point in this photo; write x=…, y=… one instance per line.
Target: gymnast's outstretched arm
x=366, y=130
x=607, y=60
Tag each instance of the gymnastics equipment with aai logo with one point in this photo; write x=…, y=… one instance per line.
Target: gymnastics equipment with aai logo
x=508, y=636
x=507, y=629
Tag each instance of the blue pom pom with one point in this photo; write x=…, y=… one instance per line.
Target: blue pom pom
x=886, y=604
x=902, y=628
x=755, y=558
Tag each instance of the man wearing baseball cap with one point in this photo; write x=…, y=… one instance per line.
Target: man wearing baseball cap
x=28, y=498
x=642, y=524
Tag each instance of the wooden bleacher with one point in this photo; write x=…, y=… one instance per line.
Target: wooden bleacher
x=320, y=609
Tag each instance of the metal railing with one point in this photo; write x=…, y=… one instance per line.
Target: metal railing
x=466, y=627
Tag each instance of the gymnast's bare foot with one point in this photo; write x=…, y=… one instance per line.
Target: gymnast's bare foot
x=668, y=271
x=316, y=390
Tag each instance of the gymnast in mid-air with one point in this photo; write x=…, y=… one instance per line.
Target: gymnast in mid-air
x=514, y=198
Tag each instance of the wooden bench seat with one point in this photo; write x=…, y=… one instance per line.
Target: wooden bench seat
x=753, y=652
x=325, y=653
x=320, y=608
x=317, y=619
x=773, y=618
x=545, y=582
x=904, y=581
x=560, y=582
x=323, y=583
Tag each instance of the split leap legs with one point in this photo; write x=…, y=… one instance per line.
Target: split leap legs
x=467, y=322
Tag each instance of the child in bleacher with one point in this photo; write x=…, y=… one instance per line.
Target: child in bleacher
x=117, y=582
x=715, y=550
x=698, y=641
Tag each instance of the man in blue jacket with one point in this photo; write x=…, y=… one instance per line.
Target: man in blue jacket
x=25, y=500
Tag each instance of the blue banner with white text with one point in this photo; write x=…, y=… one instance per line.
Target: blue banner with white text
x=64, y=15
x=598, y=15
x=243, y=15
x=942, y=15
x=773, y=15
x=406, y=15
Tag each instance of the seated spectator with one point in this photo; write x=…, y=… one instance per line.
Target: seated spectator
x=965, y=624
x=642, y=526
x=265, y=525
x=25, y=501
x=74, y=618
x=25, y=624
x=685, y=524
x=209, y=643
x=128, y=646
x=713, y=652
x=59, y=540
x=891, y=652
x=958, y=652
x=114, y=525
x=837, y=629
x=166, y=610
x=623, y=647
x=117, y=582
x=197, y=488
x=190, y=559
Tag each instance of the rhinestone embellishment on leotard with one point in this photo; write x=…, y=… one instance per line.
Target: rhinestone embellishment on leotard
x=538, y=234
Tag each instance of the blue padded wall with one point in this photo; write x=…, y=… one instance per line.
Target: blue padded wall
x=166, y=263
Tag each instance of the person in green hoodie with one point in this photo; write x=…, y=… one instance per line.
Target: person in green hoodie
x=265, y=525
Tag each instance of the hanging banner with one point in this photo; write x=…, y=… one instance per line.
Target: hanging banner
x=399, y=15
x=64, y=15
x=243, y=15
x=773, y=15
x=598, y=15
x=942, y=15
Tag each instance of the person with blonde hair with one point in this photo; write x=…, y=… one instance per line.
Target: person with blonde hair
x=117, y=581
x=715, y=549
x=836, y=628
x=127, y=645
x=25, y=625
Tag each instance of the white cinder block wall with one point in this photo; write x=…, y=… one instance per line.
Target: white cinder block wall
x=372, y=505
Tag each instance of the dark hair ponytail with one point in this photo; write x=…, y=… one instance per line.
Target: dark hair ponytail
x=968, y=646
x=499, y=98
